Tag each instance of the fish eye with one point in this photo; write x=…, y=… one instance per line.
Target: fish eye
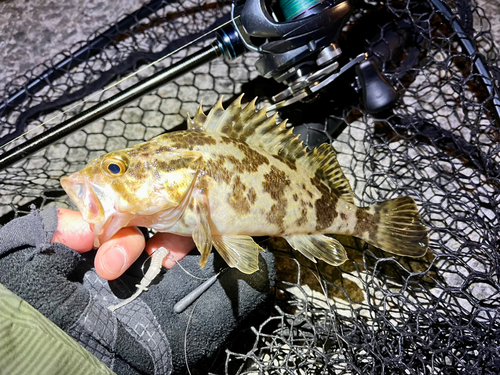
x=114, y=168
x=115, y=165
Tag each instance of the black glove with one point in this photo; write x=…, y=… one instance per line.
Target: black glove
x=145, y=336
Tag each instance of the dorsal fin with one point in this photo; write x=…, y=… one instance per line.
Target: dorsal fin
x=323, y=161
x=251, y=126
x=199, y=119
x=254, y=127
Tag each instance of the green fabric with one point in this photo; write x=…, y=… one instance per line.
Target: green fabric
x=32, y=344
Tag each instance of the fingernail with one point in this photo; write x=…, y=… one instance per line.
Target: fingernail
x=114, y=260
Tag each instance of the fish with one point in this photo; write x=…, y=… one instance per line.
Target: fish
x=235, y=174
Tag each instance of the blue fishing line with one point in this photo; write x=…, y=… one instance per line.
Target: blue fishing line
x=292, y=8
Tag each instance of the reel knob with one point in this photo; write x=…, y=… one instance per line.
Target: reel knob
x=377, y=93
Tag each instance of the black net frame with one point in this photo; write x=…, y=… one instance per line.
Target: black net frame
x=377, y=313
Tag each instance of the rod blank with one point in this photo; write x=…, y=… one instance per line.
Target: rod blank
x=107, y=106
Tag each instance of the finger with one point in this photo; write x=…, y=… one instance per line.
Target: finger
x=179, y=246
x=73, y=231
x=119, y=252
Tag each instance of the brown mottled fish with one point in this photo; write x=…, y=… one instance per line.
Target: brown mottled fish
x=232, y=175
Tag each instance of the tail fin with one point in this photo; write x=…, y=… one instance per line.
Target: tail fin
x=398, y=229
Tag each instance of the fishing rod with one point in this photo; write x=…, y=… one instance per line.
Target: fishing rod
x=297, y=41
x=298, y=46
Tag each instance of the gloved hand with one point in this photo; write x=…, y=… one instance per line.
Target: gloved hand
x=145, y=336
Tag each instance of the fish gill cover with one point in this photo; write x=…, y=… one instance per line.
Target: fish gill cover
x=376, y=313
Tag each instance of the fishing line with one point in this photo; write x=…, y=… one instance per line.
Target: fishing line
x=185, y=337
x=172, y=258
x=94, y=95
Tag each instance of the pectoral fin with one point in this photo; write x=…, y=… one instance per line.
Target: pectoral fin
x=202, y=236
x=320, y=247
x=240, y=252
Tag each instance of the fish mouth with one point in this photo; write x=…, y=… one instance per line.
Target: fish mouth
x=80, y=191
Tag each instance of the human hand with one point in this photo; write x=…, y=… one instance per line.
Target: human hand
x=117, y=254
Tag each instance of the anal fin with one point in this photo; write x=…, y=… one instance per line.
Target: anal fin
x=319, y=246
x=240, y=252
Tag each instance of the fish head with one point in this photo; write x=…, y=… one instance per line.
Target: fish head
x=122, y=188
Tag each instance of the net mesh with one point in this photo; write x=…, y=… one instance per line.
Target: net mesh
x=377, y=313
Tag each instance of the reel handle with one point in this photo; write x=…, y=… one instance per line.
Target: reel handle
x=376, y=93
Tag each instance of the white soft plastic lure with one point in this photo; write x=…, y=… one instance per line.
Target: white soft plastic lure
x=153, y=271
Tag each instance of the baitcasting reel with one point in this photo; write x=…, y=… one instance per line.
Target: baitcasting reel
x=297, y=41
